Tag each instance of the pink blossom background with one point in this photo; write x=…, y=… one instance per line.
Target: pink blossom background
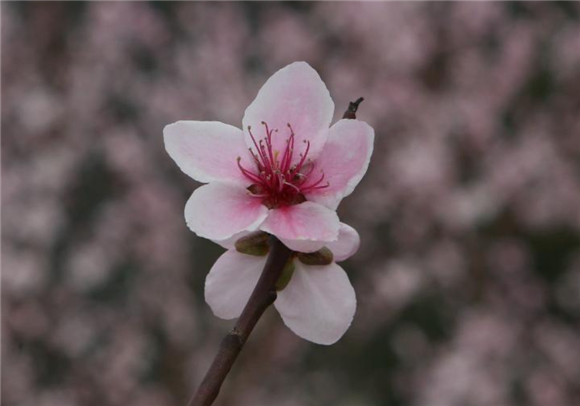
x=468, y=278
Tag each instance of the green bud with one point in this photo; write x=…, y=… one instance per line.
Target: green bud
x=286, y=275
x=321, y=257
x=255, y=243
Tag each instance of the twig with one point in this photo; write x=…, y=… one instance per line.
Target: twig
x=262, y=297
x=350, y=113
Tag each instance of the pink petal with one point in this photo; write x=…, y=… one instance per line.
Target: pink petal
x=207, y=150
x=303, y=245
x=346, y=245
x=230, y=243
x=296, y=95
x=219, y=210
x=318, y=304
x=305, y=222
x=344, y=161
x=230, y=283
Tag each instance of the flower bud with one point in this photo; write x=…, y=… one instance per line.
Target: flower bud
x=255, y=243
x=321, y=257
x=286, y=275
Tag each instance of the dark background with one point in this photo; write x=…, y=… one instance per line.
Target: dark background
x=468, y=278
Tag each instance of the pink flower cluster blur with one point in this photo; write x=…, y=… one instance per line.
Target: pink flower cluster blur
x=468, y=282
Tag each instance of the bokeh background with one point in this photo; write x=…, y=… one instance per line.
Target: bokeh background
x=468, y=278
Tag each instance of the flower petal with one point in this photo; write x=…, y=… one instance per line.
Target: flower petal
x=230, y=283
x=219, y=210
x=207, y=150
x=297, y=96
x=305, y=222
x=230, y=243
x=303, y=245
x=346, y=245
x=318, y=304
x=344, y=161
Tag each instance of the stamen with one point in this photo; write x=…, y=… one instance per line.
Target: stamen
x=304, y=155
x=256, y=144
x=247, y=173
x=276, y=180
x=293, y=187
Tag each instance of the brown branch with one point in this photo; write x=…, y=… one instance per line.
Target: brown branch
x=350, y=113
x=262, y=297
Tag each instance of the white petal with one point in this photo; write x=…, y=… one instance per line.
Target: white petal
x=220, y=210
x=347, y=244
x=230, y=243
x=303, y=245
x=306, y=221
x=231, y=281
x=208, y=150
x=344, y=161
x=318, y=304
x=294, y=95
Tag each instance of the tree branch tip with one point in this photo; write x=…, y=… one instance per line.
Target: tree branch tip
x=350, y=112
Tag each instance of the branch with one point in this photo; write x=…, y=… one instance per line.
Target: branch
x=350, y=113
x=262, y=297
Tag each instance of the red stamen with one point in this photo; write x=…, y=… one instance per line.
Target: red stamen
x=276, y=181
x=304, y=155
x=262, y=158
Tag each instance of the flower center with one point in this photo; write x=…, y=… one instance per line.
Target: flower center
x=275, y=179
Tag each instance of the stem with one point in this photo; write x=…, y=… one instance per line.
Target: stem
x=262, y=297
x=350, y=113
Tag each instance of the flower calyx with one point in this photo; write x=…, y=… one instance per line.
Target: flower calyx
x=256, y=243
x=323, y=256
x=286, y=275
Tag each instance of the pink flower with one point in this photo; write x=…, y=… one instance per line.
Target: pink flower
x=284, y=174
x=318, y=303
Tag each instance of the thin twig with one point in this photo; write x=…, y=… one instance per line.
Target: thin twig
x=350, y=113
x=262, y=297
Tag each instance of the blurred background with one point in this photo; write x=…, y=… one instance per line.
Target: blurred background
x=468, y=278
